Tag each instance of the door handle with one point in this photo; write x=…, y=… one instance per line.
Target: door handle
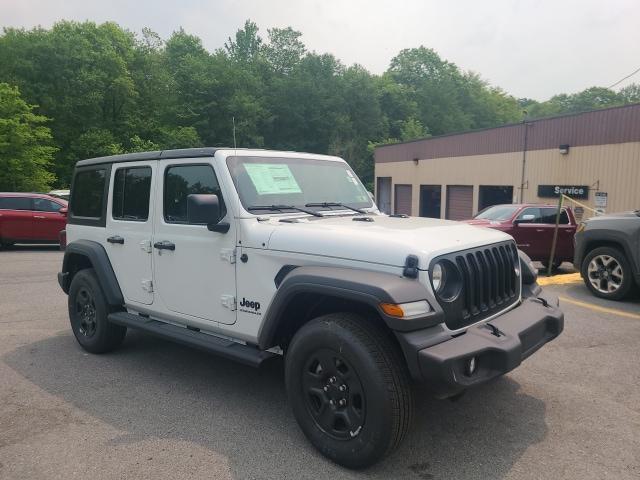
x=164, y=245
x=539, y=229
x=39, y=216
x=116, y=239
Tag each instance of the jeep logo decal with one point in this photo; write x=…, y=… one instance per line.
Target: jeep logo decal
x=249, y=306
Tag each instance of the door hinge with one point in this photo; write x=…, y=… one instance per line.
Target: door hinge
x=145, y=246
x=228, y=254
x=229, y=301
x=147, y=286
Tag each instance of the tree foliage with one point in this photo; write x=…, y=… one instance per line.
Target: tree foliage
x=25, y=145
x=108, y=90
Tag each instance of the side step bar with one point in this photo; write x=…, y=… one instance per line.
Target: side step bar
x=219, y=346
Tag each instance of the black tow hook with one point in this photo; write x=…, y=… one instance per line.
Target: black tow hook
x=541, y=300
x=495, y=330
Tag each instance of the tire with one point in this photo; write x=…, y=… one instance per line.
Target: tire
x=607, y=273
x=88, y=312
x=554, y=268
x=343, y=351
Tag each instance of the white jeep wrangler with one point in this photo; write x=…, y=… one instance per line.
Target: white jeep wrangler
x=253, y=254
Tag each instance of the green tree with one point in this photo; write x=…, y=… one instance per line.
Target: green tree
x=285, y=50
x=26, y=150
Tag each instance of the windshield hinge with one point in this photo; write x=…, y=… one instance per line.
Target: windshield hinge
x=228, y=254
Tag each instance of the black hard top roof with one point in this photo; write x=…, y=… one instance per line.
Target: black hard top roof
x=155, y=155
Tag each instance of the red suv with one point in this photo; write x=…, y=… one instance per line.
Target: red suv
x=532, y=225
x=31, y=218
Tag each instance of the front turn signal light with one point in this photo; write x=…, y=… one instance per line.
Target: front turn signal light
x=406, y=310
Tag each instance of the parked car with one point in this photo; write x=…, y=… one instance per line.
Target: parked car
x=63, y=194
x=31, y=218
x=532, y=226
x=254, y=254
x=607, y=253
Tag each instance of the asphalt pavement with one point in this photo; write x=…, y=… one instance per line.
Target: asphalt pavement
x=155, y=410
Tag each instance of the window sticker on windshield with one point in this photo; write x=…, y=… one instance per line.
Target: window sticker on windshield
x=269, y=178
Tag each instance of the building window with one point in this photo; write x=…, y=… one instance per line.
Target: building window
x=490, y=195
x=430, y=200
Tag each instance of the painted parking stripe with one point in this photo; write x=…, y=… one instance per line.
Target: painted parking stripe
x=560, y=279
x=597, y=308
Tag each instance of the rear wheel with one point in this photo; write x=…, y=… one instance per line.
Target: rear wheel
x=349, y=389
x=607, y=273
x=88, y=312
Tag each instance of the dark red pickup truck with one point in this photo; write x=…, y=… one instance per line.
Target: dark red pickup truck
x=532, y=225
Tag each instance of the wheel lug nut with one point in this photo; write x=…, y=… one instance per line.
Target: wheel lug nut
x=342, y=402
x=332, y=380
x=325, y=388
x=332, y=402
x=342, y=388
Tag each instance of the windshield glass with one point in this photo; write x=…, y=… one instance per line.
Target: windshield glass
x=296, y=182
x=497, y=213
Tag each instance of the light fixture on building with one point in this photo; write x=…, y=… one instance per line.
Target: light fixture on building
x=415, y=161
x=564, y=149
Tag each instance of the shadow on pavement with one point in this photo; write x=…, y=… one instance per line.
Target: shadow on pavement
x=152, y=388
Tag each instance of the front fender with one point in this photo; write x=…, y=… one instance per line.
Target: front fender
x=361, y=286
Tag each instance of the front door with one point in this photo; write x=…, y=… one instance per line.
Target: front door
x=130, y=228
x=194, y=273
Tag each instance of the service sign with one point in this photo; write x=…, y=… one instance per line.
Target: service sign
x=554, y=191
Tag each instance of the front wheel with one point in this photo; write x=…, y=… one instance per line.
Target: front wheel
x=607, y=273
x=349, y=389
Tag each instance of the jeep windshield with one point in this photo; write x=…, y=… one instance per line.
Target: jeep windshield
x=298, y=183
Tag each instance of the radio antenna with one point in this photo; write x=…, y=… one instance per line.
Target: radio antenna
x=233, y=120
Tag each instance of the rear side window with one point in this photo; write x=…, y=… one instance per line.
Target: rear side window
x=131, y=192
x=549, y=216
x=44, y=205
x=88, y=194
x=183, y=180
x=15, y=203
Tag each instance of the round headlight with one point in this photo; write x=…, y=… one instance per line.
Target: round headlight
x=437, y=277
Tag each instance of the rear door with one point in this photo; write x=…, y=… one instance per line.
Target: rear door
x=529, y=235
x=47, y=219
x=130, y=228
x=566, y=231
x=16, y=218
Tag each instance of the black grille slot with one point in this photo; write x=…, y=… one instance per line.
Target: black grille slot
x=489, y=283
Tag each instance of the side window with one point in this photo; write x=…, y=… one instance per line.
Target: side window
x=549, y=216
x=131, y=194
x=15, y=203
x=44, y=205
x=531, y=211
x=87, y=197
x=183, y=180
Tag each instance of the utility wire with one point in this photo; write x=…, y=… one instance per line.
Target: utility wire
x=622, y=80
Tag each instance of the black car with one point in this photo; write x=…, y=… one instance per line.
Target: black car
x=607, y=254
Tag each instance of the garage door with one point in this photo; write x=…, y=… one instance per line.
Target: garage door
x=402, y=200
x=459, y=202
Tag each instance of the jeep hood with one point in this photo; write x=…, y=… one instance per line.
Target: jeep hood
x=385, y=240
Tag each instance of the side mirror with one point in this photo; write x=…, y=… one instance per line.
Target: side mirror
x=525, y=219
x=63, y=211
x=204, y=209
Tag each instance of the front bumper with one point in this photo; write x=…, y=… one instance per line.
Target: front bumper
x=444, y=367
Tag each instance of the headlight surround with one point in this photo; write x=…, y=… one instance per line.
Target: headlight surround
x=446, y=280
x=529, y=272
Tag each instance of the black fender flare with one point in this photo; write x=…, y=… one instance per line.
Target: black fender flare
x=97, y=256
x=362, y=286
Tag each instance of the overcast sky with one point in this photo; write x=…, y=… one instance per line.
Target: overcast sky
x=529, y=48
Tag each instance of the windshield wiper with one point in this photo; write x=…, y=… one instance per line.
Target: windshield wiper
x=334, y=204
x=285, y=207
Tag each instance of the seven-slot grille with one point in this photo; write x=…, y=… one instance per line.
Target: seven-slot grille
x=489, y=283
